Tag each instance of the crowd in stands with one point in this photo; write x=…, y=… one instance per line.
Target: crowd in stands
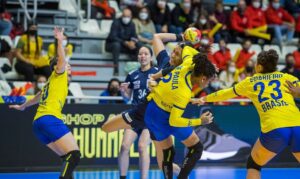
x=249, y=22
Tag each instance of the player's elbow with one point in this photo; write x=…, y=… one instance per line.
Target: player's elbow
x=173, y=122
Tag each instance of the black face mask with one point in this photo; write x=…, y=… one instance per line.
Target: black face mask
x=241, y=11
x=32, y=32
x=249, y=69
x=113, y=90
x=289, y=65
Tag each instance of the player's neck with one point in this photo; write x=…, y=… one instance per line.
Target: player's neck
x=145, y=68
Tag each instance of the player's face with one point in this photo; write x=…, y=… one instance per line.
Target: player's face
x=68, y=68
x=144, y=56
x=258, y=68
x=176, y=56
x=201, y=81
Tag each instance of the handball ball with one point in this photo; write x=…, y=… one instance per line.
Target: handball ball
x=192, y=35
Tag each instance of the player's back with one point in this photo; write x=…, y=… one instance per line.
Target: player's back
x=276, y=107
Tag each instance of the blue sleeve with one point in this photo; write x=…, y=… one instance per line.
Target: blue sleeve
x=162, y=59
x=128, y=80
x=104, y=93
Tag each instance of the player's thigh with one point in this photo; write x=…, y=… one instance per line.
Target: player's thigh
x=115, y=123
x=66, y=143
x=128, y=138
x=297, y=156
x=260, y=154
x=55, y=149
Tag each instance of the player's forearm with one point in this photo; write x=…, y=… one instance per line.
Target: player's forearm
x=33, y=101
x=177, y=120
x=221, y=95
x=61, y=62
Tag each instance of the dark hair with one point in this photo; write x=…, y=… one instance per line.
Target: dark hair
x=203, y=66
x=37, y=52
x=289, y=55
x=147, y=47
x=112, y=80
x=4, y=47
x=53, y=62
x=268, y=59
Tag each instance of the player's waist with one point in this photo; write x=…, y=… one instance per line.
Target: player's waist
x=273, y=123
x=42, y=111
x=162, y=103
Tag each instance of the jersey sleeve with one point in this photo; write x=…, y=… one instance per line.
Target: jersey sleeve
x=293, y=79
x=240, y=89
x=128, y=80
x=162, y=59
x=167, y=70
x=188, y=54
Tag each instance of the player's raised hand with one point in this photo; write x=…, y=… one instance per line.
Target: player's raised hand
x=206, y=118
x=17, y=107
x=198, y=101
x=292, y=89
x=124, y=86
x=59, y=33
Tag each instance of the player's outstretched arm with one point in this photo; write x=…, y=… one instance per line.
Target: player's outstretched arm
x=292, y=89
x=28, y=103
x=161, y=38
x=61, y=62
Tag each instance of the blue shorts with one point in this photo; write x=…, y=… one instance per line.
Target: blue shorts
x=49, y=129
x=157, y=121
x=277, y=139
x=135, y=117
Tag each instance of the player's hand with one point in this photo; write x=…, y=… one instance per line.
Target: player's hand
x=292, y=89
x=17, y=107
x=59, y=33
x=124, y=86
x=152, y=83
x=198, y=101
x=206, y=118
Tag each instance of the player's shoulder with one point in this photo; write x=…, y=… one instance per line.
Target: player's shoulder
x=134, y=72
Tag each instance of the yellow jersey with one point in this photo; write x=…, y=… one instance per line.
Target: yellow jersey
x=174, y=91
x=276, y=107
x=53, y=96
x=30, y=53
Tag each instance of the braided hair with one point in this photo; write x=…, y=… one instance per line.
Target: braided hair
x=203, y=66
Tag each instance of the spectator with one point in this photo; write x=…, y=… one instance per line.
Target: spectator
x=102, y=6
x=227, y=77
x=281, y=21
x=255, y=14
x=144, y=26
x=296, y=55
x=223, y=56
x=6, y=52
x=248, y=70
x=290, y=66
x=122, y=38
x=239, y=21
x=30, y=60
x=52, y=49
x=5, y=20
x=40, y=83
x=160, y=14
x=245, y=55
x=113, y=89
x=293, y=7
x=181, y=17
x=202, y=23
x=220, y=16
x=133, y=5
x=197, y=9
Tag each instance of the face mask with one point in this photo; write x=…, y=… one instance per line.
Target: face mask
x=64, y=43
x=231, y=69
x=143, y=15
x=276, y=5
x=186, y=5
x=222, y=48
x=249, y=69
x=32, y=32
x=114, y=90
x=40, y=85
x=289, y=65
x=202, y=21
x=162, y=3
x=256, y=4
x=126, y=20
x=204, y=41
x=215, y=84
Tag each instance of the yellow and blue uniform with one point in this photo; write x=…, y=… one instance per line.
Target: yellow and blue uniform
x=168, y=101
x=279, y=115
x=48, y=124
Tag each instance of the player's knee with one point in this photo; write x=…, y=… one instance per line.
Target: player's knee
x=168, y=154
x=251, y=164
x=125, y=148
x=142, y=147
x=73, y=157
x=196, y=150
x=105, y=127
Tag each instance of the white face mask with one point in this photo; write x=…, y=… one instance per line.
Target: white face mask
x=162, y=3
x=143, y=15
x=276, y=5
x=40, y=85
x=256, y=4
x=64, y=43
x=231, y=69
x=187, y=5
x=203, y=21
x=126, y=20
x=215, y=84
x=204, y=41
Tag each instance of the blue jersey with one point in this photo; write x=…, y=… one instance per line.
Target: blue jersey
x=163, y=60
x=138, y=82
